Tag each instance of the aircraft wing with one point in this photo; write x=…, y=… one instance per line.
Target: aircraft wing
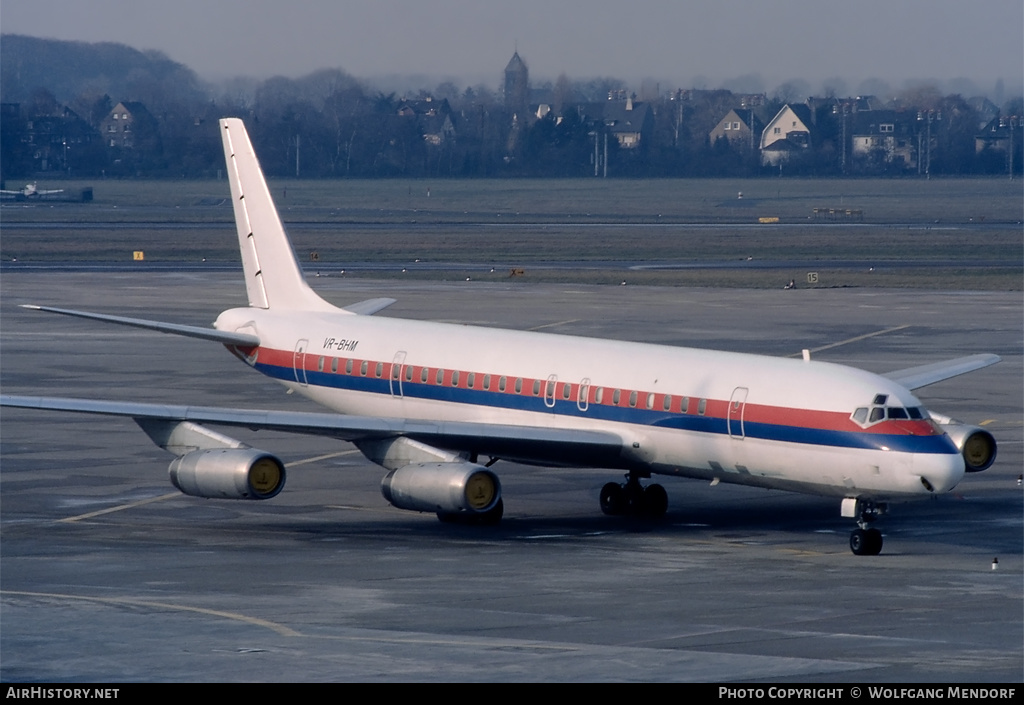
x=922, y=376
x=218, y=336
x=523, y=443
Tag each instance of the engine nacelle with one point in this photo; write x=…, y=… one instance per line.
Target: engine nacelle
x=976, y=444
x=228, y=473
x=446, y=488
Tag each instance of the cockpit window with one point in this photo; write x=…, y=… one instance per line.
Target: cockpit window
x=877, y=414
x=880, y=399
x=897, y=412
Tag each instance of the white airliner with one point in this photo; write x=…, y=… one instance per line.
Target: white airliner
x=430, y=401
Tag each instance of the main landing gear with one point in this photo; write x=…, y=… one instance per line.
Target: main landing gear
x=865, y=541
x=633, y=498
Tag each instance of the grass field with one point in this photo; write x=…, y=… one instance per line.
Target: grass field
x=894, y=226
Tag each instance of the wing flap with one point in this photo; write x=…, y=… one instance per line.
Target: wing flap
x=923, y=375
x=568, y=447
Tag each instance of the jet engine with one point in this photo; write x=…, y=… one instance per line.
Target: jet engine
x=975, y=443
x=228, y=473
x=445, y=488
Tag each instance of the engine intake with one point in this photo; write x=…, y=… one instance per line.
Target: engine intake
x=228, y=473
x=977, y=445
x=446, y=488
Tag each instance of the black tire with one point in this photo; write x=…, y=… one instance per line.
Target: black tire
x=613, y=499
x=874, y=542
x=866, y=542
x=492, y=517
x=655, y=501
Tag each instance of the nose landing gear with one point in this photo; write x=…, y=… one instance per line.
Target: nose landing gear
x=633, y=498
x=865, y=541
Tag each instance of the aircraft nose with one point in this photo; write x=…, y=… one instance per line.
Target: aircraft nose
x=939, y=472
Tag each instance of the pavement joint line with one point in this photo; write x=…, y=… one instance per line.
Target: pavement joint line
x=255, y=621
x=855, y=339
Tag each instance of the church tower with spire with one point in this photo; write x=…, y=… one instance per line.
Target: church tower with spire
x=516, y=85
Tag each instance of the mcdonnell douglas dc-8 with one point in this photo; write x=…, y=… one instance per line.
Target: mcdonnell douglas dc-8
x=437, y=405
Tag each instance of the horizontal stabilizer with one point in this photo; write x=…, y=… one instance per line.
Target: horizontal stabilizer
x=917, y=377
x=218, y=336
x=549, y=446
x=370, y=306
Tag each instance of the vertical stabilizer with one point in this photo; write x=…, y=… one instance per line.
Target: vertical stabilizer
x=273, y=277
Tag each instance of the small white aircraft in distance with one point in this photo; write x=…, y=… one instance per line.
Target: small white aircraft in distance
x=430, y=401
x=30, y=191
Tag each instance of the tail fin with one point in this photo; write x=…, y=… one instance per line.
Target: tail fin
x=273, y=277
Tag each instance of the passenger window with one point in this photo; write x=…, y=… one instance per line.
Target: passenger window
x=632, y=399
x=379, y=371
x=455, y=378
x=650, y=401
x=684, y=405
x=667, y=405
x=424, y=375
x=363, y=368
x=536, y=387
x=616, y=395
x=320, y=364
x=566, y=390
x=598, y=395
x=408, y=373
x=702, y=406
x=471, y=380
x=334, y=364
x=348, y=366
x=519, y=385
x=487, y=382
x=502, y=381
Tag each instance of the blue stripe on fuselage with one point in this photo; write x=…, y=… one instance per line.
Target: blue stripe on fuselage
x=938, y=444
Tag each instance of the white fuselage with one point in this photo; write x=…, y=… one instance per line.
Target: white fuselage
x=748, y=419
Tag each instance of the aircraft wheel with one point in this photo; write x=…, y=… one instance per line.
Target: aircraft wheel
x=613, y=499
x=874, y=542
x=492, y=517
x=655, y=501
x=866, y=542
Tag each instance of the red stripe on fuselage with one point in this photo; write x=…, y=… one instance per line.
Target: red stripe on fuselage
x=714, y=408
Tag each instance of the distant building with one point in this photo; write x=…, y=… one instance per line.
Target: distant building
x=517, y=85
x=737, y=128
x=998, y=135
x=59, y=141
x=124, y=123
x=787, y=135
x=883, y=137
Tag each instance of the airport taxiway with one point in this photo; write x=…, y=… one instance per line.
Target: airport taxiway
x=108, y=574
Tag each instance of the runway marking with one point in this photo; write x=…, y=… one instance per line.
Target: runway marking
x=552, y=325
x=854, y=340
x=986, y=422
x=118, y=508
x=322, y=457
x=254, y=621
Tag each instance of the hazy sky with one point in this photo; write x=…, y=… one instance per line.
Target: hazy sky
x=676, y=42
